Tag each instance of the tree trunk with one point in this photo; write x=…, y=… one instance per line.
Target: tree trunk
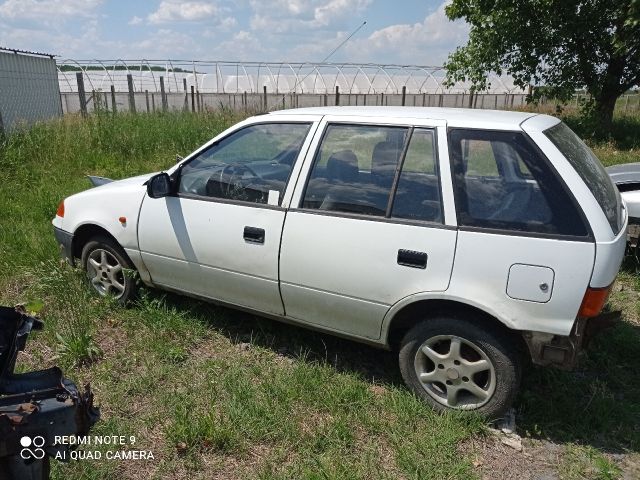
x=605, y=104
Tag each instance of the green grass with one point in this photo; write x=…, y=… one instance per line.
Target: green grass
x=218, y=393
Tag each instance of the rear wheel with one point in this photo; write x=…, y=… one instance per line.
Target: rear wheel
x=458, y=364
x=108, y=269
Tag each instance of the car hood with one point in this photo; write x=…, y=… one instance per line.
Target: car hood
x=137, y=180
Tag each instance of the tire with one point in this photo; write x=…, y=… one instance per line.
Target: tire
x=484, y=376
x=105, y=264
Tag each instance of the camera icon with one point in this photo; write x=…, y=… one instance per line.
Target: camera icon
x=32, y=447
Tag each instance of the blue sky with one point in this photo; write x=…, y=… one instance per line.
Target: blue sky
x=411, y=32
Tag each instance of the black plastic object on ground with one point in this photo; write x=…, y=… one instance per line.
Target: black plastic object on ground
x=35, y=407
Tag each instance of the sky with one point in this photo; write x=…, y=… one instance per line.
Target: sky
x=399, y=32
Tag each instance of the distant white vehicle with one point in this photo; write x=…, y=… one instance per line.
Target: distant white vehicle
x=627, y=178
x=465, y=239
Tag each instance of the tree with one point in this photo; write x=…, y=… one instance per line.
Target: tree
x=558, y=45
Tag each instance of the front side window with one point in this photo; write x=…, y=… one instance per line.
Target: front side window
x=502, y=182
x=252, y=164
x=381, y=171
x=590, y=170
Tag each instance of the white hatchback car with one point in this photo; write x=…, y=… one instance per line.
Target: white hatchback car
x=465, y=239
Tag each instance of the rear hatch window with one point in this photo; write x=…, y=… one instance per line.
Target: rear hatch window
x=590, y=170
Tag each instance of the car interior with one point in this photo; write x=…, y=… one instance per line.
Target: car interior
x=343, y=186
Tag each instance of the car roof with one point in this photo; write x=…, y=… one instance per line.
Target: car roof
x=455, y=117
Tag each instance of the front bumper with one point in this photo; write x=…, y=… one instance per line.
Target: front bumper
x=564, y=352
x=64, y=240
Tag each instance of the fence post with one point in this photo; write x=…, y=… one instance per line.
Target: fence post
x=186, y=95
x=81, y=94
x=153, y=102
x=193, y=99
x=114, y=107
x=132, y=98
x=163, y=95
x=325, y=99
x=264, y=97
x=404, y=94
x=146, y=97
x=337, y=95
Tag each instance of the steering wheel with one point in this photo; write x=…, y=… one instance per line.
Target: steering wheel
x=236, y=172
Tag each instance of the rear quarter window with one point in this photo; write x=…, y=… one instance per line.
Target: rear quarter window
x=590, y=170
x=501, y=182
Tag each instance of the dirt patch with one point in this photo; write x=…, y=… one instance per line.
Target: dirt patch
x=494, y=460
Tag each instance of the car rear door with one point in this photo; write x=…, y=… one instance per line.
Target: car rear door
x=368, y=223
x=219, y=235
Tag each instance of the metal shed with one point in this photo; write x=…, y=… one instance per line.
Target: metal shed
x=29, y=88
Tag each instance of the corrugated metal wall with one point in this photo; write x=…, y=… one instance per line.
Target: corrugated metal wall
x=29, y=90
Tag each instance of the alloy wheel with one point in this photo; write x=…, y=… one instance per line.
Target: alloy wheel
x=105, y=273
x=455, y=372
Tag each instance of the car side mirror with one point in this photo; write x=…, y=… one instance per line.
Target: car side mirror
x=159, y=185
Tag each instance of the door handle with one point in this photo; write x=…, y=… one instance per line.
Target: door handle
x=413, y=259
x=253, y=235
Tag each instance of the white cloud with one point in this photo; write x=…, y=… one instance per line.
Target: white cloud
x=135, y=20
x=175, y=10
x=327, y=13
x=424, y=43
x=285, y=16
x=242, y=46
x=46, y=9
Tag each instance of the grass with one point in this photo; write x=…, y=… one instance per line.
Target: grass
x=216, y=393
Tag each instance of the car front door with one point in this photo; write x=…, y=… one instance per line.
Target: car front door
x=367, y=225
x=219, y=235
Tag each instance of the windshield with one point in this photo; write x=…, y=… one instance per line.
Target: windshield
x=590, y=170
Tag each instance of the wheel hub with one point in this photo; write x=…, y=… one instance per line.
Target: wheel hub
x=452, y=374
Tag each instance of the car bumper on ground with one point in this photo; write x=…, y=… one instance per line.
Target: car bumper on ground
x=65, y=242
x=564, y=351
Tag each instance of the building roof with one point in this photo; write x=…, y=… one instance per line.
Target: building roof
x=26, y=52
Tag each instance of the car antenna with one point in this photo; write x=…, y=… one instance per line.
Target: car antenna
x=322, y=61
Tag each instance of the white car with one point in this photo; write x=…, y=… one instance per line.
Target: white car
x=465, y=239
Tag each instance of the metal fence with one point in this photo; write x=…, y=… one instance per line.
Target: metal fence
x=89, y=102
x=28, y=88
x=254, y=77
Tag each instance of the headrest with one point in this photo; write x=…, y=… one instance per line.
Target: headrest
x=343, y=166
x=384, y=159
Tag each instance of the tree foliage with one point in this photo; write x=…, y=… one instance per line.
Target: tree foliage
x=559, y=45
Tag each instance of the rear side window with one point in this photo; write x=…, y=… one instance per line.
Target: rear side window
x=590, y=170
x=502, y=182
x=379, y=171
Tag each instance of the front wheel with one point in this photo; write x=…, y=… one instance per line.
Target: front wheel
x=108, y=269
x=458, y=364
